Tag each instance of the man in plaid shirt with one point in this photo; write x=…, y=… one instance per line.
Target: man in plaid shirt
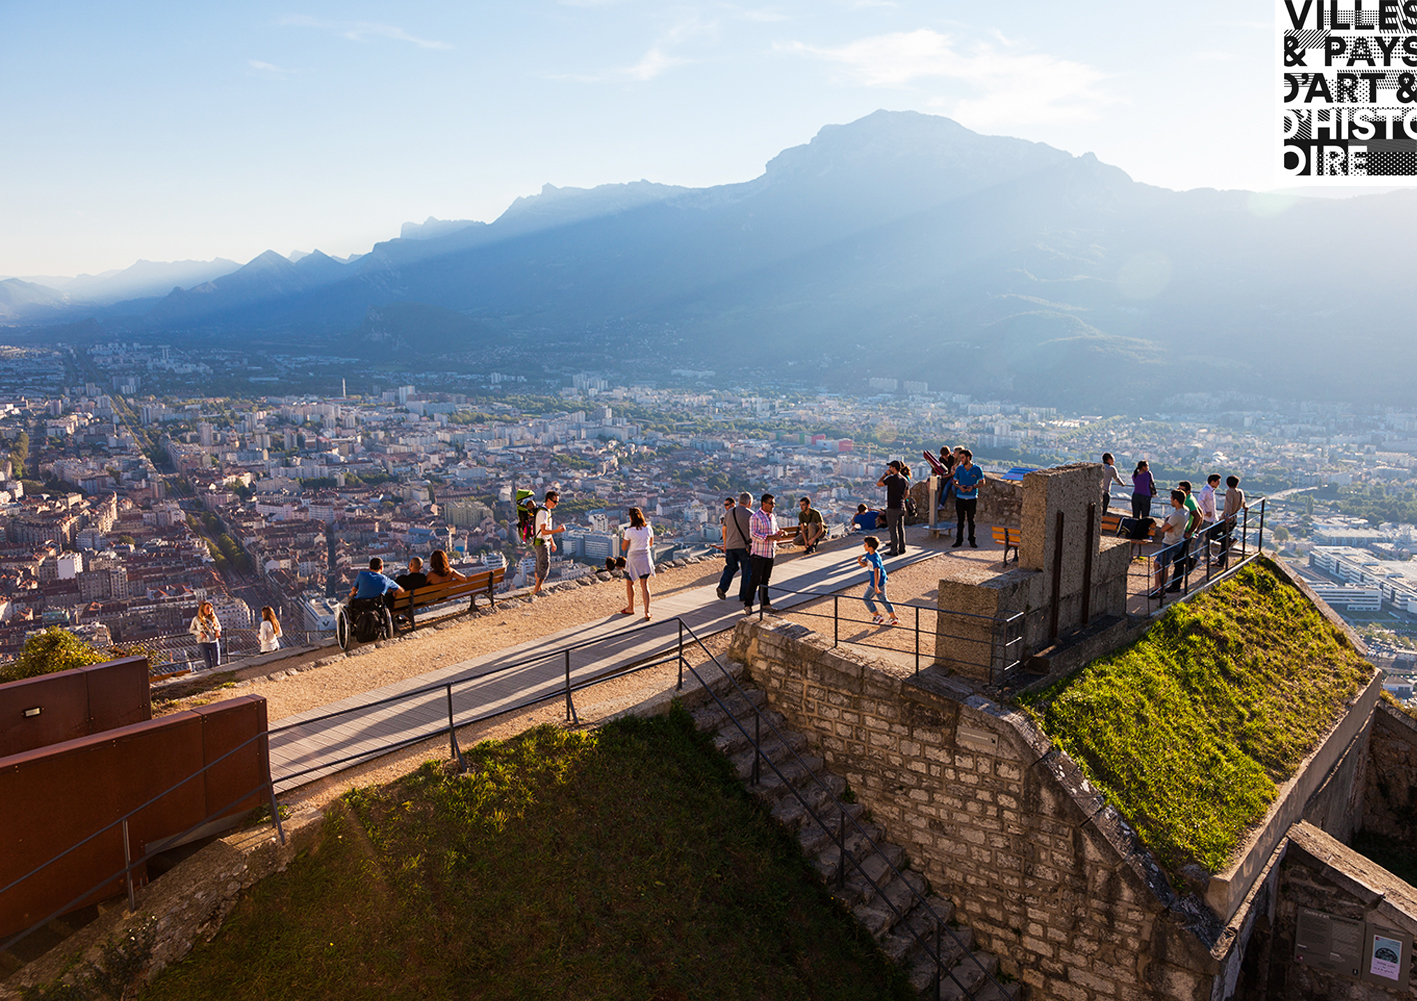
x=765, y=537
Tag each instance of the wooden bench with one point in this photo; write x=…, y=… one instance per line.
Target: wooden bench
x=1111, y=523
x=484, y=582
x=1009, y=538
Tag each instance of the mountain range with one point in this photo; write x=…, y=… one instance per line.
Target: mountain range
x=900, y=245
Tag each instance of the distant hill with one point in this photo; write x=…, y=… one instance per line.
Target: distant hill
x=900, y=245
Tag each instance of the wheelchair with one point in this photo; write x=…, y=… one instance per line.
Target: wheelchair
x=363, y=620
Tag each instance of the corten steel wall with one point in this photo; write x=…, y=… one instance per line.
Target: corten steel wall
x=73, y=704
x=58, y=795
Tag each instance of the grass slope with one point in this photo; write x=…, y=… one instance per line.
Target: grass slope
x=624, y=863
x=1189, y=729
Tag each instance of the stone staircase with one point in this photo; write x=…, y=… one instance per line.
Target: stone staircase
x=891, y=910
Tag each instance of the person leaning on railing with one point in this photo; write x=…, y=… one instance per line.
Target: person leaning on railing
x=1175, y=542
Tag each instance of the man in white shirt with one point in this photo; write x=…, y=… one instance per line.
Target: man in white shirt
x=1206, y=499
x=544, y=541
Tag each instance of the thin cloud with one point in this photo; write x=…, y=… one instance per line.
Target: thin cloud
x=361, y=31
x=989, y=83
x=270, y=70
x=659, y=58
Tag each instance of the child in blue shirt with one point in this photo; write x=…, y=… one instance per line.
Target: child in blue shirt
x=876, y=584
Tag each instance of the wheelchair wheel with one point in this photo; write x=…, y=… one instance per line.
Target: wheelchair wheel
x=344, y=628
x=388, y=623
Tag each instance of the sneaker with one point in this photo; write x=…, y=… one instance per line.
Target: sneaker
x=720, y=592
x=747, y=609
x=893, y=621
x=769, y=609
x=878, y=618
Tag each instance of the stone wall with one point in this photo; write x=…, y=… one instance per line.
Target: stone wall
x=1390, y=799
x=1316, y=872
x=1000, y=503
x=1050, y=878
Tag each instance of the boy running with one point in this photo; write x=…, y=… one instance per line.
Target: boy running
x=876, y=583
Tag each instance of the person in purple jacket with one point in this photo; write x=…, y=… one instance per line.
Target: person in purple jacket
x=1143, y=490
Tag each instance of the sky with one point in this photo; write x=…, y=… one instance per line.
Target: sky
x=175, y=131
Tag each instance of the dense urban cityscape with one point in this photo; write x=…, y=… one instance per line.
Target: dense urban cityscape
x=130, y=494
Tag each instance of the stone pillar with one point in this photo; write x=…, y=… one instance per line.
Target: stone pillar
x=970, y=639
x=1065, y=490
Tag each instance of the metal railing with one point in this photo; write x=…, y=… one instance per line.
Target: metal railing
x=130, y=863
x=1215, y=551
x=566, y=688
x=837, y=810
x=1000, y=651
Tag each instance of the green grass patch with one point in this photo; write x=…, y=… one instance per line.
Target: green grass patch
x=1188, y=730
x=623, y=863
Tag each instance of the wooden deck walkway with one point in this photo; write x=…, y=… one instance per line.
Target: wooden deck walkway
x=310, y=746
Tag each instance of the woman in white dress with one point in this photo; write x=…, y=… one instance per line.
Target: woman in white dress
x=270, y=630
x=638, y=545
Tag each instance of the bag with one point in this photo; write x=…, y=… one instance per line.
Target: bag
x=368, y=623
x=526, y=515
x=1135, y=528
x=909, y=506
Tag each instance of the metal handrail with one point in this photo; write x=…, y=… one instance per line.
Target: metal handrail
x=455, y=752
x=1177, y=557
x=130, y=864
x=1007, y=622
x=843, y=816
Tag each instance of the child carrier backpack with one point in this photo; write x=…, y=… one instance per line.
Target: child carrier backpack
x=526, y=515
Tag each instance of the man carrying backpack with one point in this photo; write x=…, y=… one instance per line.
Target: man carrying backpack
x=544, y=542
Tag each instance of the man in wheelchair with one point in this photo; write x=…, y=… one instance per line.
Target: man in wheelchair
x=365, y=616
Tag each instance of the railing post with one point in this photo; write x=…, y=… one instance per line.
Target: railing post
x=841, y=853
x=680, y=686
x=917, y=639
x=1057, y=577
x=271, y=789
x=128, y=870
x=939, y=964
x=1089, y=542
x=570, y=706
x=1259, y=543
x=836, y=619
x=453, y=733
x=757, y=744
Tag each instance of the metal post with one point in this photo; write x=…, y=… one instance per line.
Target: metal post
x=128, y=870
x=917, y=639
x=836, y=620
x=680, y=686
x=841, y=842
x=453, y=733
x=570, y=706
x=1057, y=576
x=757, y=745
x=271, y=789
x=939, y=963
x=1259, y=543
x=1087, y=563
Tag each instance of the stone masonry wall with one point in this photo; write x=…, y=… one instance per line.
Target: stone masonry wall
x=1000, y=503
x=1320, y=873
x=1390, y=799
x=1051, y=880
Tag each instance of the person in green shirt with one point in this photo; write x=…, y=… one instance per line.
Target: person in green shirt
x=810, y=527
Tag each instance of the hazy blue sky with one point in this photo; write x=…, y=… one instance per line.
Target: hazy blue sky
x=189, y=130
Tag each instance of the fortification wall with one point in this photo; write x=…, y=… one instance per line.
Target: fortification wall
x=1390, y=796
x=1051, y=879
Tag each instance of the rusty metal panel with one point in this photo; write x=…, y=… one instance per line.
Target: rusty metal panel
x=35, y=712
x=118, y=693
x=66, y=705
x=236, y=783
x=57, y=796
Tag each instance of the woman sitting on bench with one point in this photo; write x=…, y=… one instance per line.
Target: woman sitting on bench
x=442, y=572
